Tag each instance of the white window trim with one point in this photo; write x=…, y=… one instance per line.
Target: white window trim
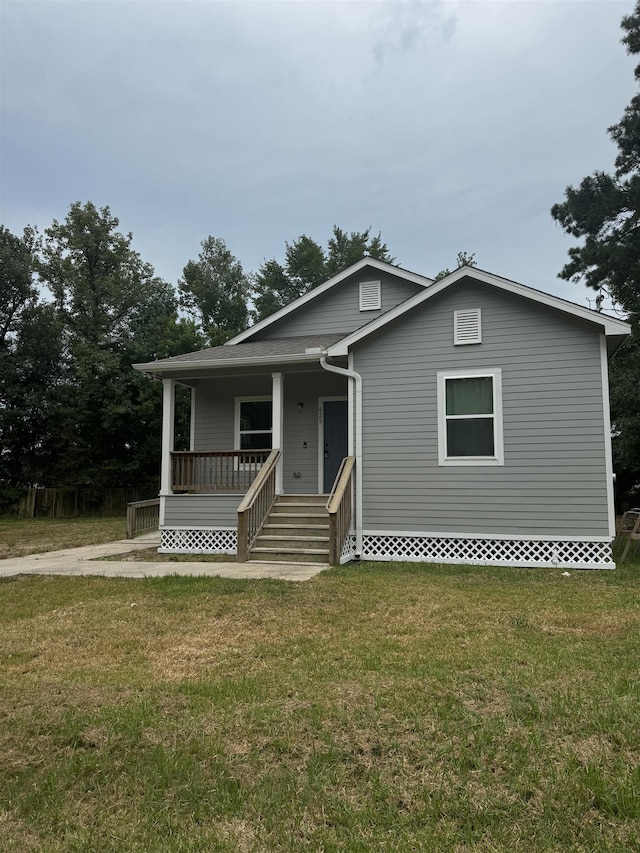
x=378, y=300
x=236, y=426
x=498, y=443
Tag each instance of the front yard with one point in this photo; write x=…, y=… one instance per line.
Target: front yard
x=22, y=536
x=377, y=707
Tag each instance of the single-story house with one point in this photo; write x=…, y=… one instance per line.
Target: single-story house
x=387, y=416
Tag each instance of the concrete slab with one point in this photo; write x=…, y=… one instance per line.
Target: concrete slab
x=86, y=561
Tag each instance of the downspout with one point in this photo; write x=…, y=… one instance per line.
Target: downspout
x=357, y=380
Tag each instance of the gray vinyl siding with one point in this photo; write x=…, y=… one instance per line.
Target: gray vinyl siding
x=219, y=510
x=215, y=414
x=338, y=309
x=554, y=478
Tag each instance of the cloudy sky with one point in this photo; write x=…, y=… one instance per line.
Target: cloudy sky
x=445, y=125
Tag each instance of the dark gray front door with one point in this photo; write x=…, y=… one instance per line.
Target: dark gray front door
x=335, y=439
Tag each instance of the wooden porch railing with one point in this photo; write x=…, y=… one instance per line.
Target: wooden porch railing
x=339, y=507
x=256, y=505
x=142, y=516
x=215, y=470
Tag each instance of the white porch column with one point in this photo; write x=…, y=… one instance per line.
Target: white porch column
x=277, y=424
x=192, y=424
x=168, y=421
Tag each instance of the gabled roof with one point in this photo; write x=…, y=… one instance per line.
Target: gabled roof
x=612, y=327
x=366, y=263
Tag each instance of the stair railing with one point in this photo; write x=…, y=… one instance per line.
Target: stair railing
x=256, y=505
x=339, y=507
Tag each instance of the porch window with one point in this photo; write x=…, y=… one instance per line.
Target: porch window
x=254, y=420
x=470, y=417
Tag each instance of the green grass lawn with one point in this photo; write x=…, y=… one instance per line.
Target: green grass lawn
x=22, y=536
x=377, y=707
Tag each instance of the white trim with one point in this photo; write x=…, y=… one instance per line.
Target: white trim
x=606, y=417
x=533, y=537
x=156, y=368
x=369, y=298
x=277, y=424
x=198, y=540
x=372, y=263
x=495, y=373
x=192, y=420
x=350, y=412
x=321, y=402
x=611, y=325
x=467, y=326
x=357, y=487
x=168, y=433
x=236, y=421
x=569, y=552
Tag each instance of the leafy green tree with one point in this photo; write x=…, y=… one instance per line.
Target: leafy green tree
x=272, y=288
x=32, y=379
x=215, y=290
x=113, y=311
x=307, y=265
x=463, y=259
x=345, y=249
x=604, y=214
x=17, y=289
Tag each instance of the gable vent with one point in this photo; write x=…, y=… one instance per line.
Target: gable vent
x=369, y=295
x=466, y=327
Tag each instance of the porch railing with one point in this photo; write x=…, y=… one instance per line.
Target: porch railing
x=256, y=505
x=215, y=470
x=142, y=516
x=339, y=507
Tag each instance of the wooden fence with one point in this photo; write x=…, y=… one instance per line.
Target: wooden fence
x=75, y=503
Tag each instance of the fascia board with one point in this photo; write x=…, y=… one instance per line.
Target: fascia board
x=381, y=266
x=159, y=369
x=610, y=325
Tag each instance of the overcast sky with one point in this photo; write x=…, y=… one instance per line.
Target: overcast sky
x=447, y=126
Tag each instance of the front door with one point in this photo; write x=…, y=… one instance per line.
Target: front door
x=334, y=445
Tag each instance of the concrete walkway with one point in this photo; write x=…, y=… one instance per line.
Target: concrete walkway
x=86, y=561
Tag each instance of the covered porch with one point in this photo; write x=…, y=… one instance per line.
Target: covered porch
x=259, y=433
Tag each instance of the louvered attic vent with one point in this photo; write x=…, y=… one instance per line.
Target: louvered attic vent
x=369, y=295
x=466, y=327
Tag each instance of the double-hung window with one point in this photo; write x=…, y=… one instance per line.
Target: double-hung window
x=470, y=417
x=254, y=421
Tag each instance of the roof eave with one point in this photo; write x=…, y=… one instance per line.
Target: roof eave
x=610, y=325
x=157, y=368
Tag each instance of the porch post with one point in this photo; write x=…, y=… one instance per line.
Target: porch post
x=168, y=421
x=277, y=424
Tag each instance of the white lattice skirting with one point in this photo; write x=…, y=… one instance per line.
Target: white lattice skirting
x=565, y=553
x=189, y=540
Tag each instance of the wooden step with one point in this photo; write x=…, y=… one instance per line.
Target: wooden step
x=304, y=499
x=292, y=543
x=279, y=555
x=297, y=518
x=277, y=529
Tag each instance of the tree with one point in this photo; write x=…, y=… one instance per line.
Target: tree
x=604, y=213
x=113, y=311
x=307, y=265
x=214, y=290
x=463, y=259
x=17, y=290
x=346, y=249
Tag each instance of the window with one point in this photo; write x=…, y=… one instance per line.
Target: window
x=470, y=417
x=370, y=296
x=466, y=327
x=253, y=423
